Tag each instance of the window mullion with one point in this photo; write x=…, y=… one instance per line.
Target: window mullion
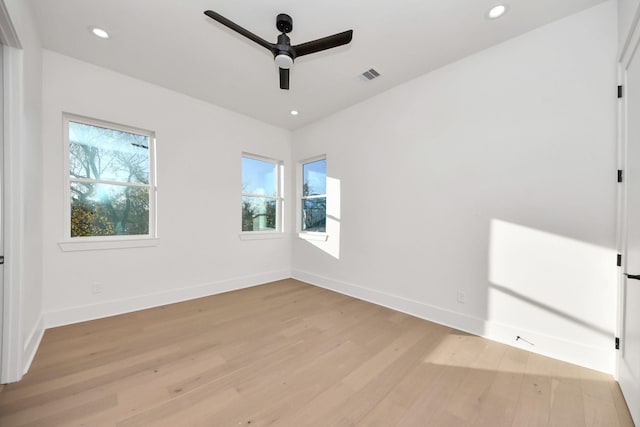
x=259, y=195
x=99, y=181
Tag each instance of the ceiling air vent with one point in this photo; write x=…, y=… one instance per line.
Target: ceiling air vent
x=370, y=74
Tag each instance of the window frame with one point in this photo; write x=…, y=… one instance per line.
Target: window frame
x=304, y=234
x=279, y=198
x=70, y=243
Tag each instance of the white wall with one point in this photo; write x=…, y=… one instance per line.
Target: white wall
x=23, y=189
x=627, y=11
x=493, y=177
x=199, y=150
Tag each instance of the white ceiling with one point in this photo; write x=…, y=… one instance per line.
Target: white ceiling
x=173, y=44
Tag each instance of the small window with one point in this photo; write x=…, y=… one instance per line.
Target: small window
x=110, y=180
x=314, y=196
x=261, y=194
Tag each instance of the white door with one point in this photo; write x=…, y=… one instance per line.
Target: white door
x=629, y=354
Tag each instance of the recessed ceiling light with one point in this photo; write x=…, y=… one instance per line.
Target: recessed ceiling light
x=497, y=11
x=294, y=112
x=99, y=32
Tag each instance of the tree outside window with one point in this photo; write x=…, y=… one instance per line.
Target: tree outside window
x=109, y=180
x=261, y=199
x=314, y=196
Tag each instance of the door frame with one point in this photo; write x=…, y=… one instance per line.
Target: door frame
x=629, y=49
x=11, y=361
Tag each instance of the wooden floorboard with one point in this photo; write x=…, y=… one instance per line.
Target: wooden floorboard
x=291, y=354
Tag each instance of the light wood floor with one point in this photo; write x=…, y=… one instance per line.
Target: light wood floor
x=291, y=354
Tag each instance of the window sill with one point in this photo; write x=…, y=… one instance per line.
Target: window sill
x=107, y=244
x=320, y=237
x=257, y=235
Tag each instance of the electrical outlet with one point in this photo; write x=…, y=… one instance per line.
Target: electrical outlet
x=460, y=297
x=96, y=288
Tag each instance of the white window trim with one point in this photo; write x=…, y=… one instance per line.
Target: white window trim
x=104, y=245
x=278, y=233
x=302, y=234
x=69, y=243
x=262, y=235
x=313, y=236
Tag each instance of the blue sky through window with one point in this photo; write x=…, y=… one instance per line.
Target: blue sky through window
x=315, y=176
x=258, y=177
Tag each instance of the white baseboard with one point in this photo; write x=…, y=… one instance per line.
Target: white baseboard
x=599, y=359
x=114, y=307
x=32, y=343
x=596, y=358
x=405, y=305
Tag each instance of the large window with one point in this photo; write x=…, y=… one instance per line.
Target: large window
x=261, y=194
x=110, y=180
x=314, y=196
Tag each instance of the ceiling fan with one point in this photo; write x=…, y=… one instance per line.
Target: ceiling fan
x=283, y=53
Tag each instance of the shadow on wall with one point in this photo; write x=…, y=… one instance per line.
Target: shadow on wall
x=551, y=284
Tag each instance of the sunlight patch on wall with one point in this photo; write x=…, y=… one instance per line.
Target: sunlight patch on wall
x=551, y=284
x=331, y=245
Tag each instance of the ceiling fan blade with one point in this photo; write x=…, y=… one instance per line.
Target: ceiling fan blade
x=323, y=43
x=284, y=78
x=240, y=30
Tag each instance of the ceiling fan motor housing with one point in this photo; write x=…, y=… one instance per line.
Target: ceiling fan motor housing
x=283, y=53
x=284, y=23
